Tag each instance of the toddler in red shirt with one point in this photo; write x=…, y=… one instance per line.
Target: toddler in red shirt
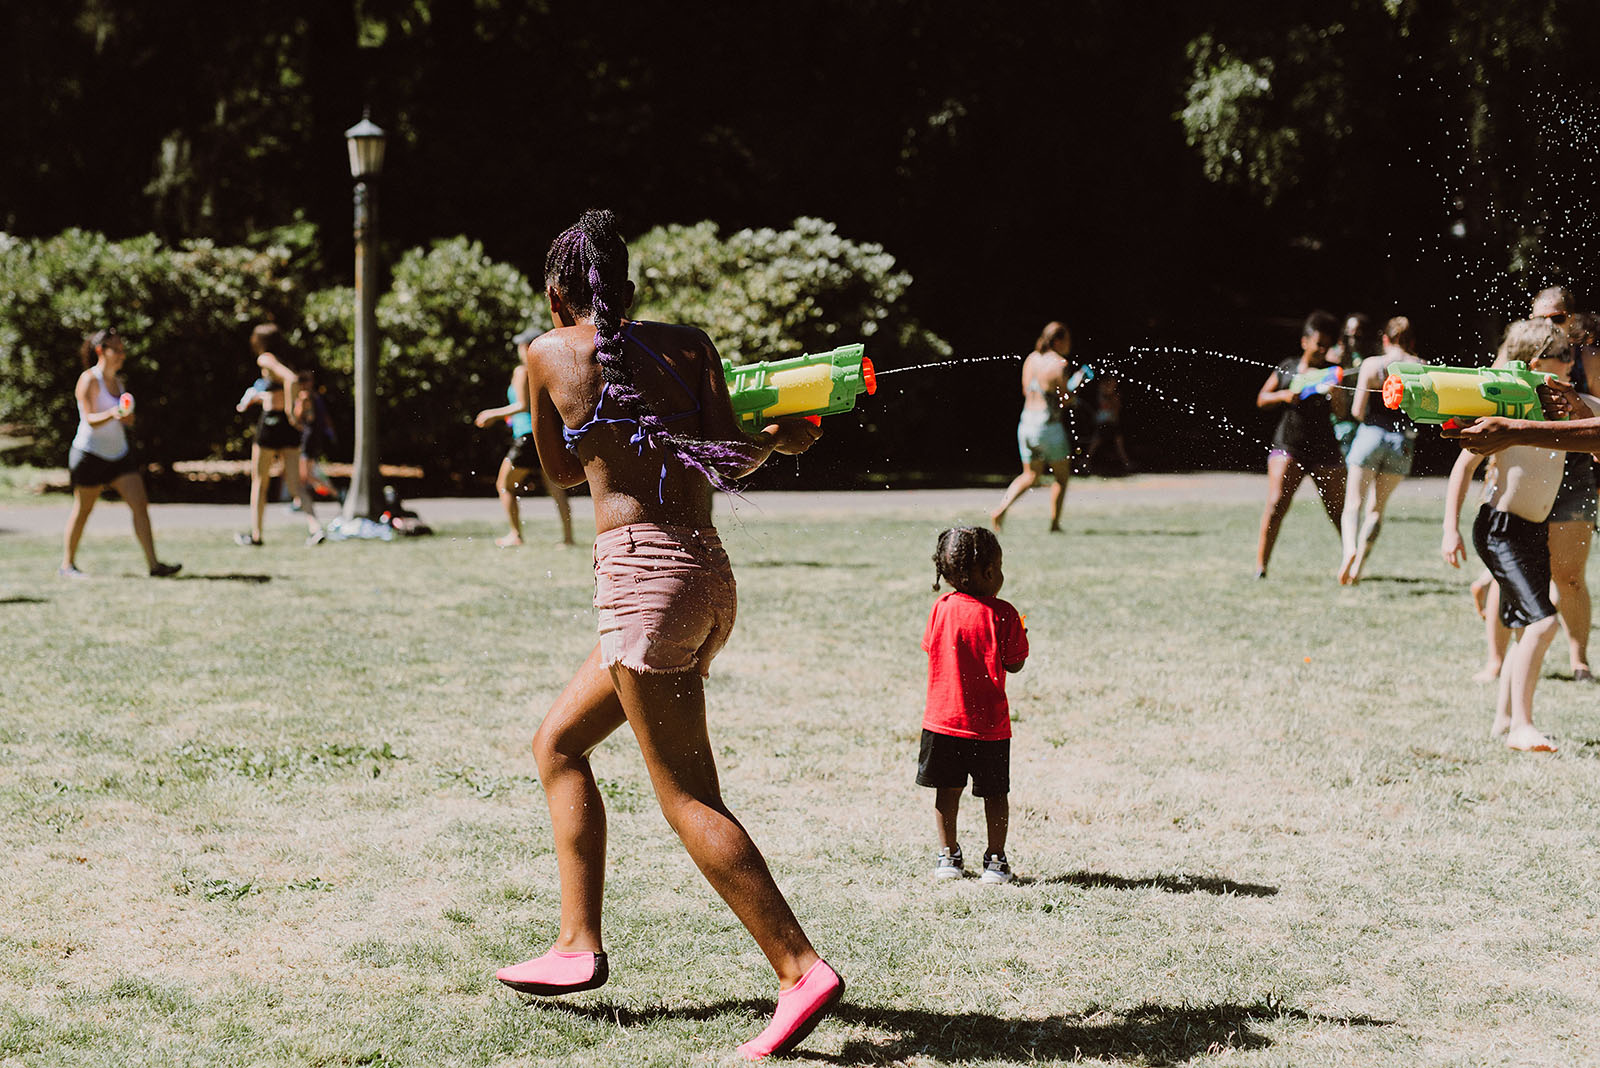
x=973, y=639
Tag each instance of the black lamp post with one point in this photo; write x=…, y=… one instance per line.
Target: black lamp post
x=365, y=140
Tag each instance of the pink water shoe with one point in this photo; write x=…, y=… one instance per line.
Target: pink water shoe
x=800, y=1009
x=556, y=973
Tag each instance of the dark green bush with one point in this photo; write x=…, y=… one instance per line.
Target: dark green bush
x=185, y=313
x=445, y=326
x=766, y=294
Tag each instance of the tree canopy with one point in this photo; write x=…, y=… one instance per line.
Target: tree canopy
x=1196, y=174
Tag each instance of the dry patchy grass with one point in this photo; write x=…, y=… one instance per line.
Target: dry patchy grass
x=281, y=811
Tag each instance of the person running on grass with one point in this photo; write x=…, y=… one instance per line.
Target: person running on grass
x=1042, y=437
x=1380, y=453
x=277, y=436
x=1511, y=536
x=973, y=639
x=1303, y=442
x=101, y=456
x=641, y=411
x=523, y=458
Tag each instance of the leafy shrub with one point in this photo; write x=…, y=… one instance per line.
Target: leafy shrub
x=444, y=352
x=766, y=294
x=185, y=313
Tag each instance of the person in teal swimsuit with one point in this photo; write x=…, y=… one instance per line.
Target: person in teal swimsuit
x=523, y=458
x=1042, y=438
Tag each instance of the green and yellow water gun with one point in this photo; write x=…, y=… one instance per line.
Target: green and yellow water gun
x=813, y=385
x=1430, y=394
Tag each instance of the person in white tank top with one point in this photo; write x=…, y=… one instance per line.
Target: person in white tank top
x=101, y=456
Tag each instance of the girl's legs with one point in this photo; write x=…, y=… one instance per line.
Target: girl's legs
x=1569, y=558
x=668, y=715
x=1496, y=636
x=558, y=493
x=298, y=490
x=131, y=488
x=1019, y=485
x=505, y=485
x=582, y=717
x=946, y=805
x=997, y=814
x=1355, y=491
x=1382, y=487
x=260, y=474
x=1060, y=470
x=83, y=501
x=1514, y=709
x=1283, y=478
x=1330, y=487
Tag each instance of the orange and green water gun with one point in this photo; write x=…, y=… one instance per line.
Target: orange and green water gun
x=1451, y=395
x=813, y=385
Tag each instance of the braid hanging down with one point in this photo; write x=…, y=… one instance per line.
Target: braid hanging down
x=588, y=265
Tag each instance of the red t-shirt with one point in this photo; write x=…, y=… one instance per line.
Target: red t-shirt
x=969, y=641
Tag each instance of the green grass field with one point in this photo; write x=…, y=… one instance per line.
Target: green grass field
x=281, y=811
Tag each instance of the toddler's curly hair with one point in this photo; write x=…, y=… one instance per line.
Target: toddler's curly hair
x=961, y=553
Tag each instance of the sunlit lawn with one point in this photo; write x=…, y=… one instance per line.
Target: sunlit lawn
x=281, y=811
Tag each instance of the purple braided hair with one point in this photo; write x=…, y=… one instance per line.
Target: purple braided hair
x=588, y=264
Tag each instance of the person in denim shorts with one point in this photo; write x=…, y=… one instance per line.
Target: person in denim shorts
x=1380, y=454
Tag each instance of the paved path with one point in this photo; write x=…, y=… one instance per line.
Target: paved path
x=48, y=516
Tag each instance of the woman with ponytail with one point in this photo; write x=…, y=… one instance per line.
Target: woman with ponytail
x=101, y=455
x=640, y=411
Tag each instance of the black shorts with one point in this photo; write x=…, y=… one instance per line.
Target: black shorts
x=274, y=431
x=86, y=469
x=524, y=455
x=1517, y=553
x=946, y=761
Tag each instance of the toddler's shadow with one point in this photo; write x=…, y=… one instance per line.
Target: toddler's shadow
x=1146, y=1034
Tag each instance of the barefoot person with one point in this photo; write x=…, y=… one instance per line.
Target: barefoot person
x=1042, y=437
x=641, y=411
x=1379, y=456
x=523, y=458
x=1572, y=516
x=1303, y=442
x=1511, y=536
x=277, y=436
x=101, y=456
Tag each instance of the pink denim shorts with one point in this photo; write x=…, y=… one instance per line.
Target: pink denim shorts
x=665, y=597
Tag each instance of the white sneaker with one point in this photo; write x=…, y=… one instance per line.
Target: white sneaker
x=996, y=869
x=949, y=865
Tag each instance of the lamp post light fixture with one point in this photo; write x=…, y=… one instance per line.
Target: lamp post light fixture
x=365, y=141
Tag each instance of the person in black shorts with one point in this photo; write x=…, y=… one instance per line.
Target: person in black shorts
x=973, y=639
x=522, y=459
x=1304, y=441
x=277, y=436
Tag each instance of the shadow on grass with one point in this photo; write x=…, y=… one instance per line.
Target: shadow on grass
x=1422, y=587
x=231, y=576
x=1146, y=1034
x=23, y=600
x=857, y=564
x=1173, y=884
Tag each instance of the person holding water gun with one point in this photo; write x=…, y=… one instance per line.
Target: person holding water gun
x=1043, y=440
x=1303, y=442
x=641, y=412
x=1511, y=535
x=101, y=455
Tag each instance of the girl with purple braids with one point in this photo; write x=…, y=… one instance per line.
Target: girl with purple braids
x=640, y=410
